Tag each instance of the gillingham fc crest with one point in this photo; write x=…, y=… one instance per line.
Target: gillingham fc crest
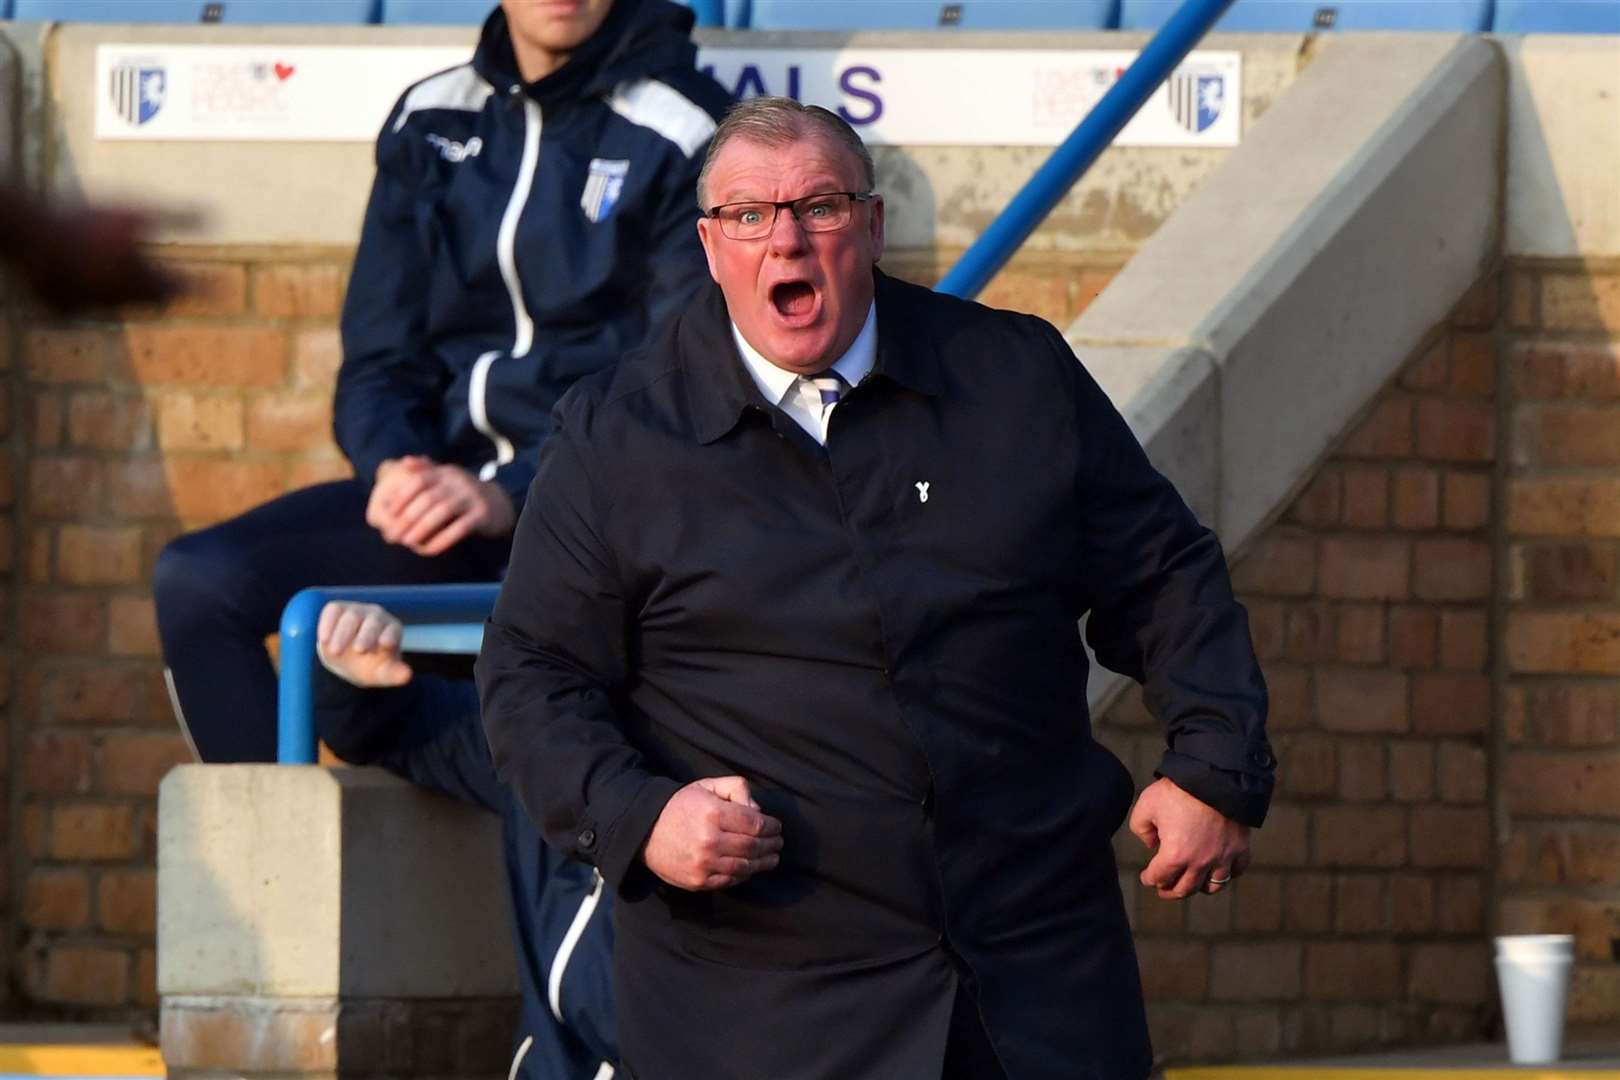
x=138, y=91
x=1197, y=98
x=602, y=187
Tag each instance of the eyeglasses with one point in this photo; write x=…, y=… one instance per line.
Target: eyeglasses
x=827, y=211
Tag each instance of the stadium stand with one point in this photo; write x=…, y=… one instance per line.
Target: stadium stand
x=435, y=12
x=1304, y=16
x=197, y=11
x=472, y=12
x=1557, y=17
x=930, y=14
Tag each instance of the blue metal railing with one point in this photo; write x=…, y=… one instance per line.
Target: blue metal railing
x=1070, y=160
x=438, y=618
x=449, y=618
x=709, y=12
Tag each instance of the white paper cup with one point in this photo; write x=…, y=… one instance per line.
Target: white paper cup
x=1533, y=973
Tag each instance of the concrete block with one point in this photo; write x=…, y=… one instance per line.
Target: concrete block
x=1370, y=271
x=291, y=881
x=1563, y=145
x=1294, y=283
x=1314, y=261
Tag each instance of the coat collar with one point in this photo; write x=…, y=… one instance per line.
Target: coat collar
x=720, y=390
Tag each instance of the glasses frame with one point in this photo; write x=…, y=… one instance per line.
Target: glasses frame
x=788, y=205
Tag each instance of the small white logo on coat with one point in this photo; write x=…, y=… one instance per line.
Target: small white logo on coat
x=453, y=151
x=922, y=491
x=602, y=188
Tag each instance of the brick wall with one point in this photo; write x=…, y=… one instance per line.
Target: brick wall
x=1560, y=765
x=1438, y=613
x=133, y=429
x=1363, y=919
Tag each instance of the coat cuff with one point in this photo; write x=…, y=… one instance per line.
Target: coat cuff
x=1243, y=796
x=615, y=847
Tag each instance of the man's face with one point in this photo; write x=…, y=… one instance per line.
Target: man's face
x=555, y=26
x=798, y=297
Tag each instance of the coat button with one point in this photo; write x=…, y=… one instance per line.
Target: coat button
x=587, y=839
x=1262, y=758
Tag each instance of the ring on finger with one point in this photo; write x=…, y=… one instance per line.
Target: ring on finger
x=1221, y=880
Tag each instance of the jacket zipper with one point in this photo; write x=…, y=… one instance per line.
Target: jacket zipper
x=565, y=951
x=506, y=256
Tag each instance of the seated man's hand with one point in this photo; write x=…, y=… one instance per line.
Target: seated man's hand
x=1197, y=848
x=712, y=835
x=430, y=508
x=359, y=643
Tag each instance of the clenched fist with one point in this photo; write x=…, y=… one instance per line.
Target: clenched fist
x=712, y=835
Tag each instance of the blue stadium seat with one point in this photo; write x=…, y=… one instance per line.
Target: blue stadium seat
x=931, y=14
x=1305, y=16
x=436, y=12
x=1557, y=17
x=473, y=12
x=193, y=11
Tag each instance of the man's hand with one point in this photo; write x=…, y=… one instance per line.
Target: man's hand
x=712, y=835
x=1197, y=848
x=359, y=643
x=78, y=258
x=430, y=508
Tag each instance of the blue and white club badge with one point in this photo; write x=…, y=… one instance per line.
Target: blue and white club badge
x=137, y=91
x=602, y=188
x=1196, y=99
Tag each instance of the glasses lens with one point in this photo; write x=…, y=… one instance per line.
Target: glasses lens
x=747, y=221
x=823, y=213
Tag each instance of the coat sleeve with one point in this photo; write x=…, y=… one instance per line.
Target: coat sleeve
x=389, y=387
x=1163, y=613
x=673, y=269
x=553, y=671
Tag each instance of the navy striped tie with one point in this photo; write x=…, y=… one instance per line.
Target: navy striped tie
x=831, y=386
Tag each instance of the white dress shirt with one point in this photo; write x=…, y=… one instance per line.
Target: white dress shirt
x=798, y=396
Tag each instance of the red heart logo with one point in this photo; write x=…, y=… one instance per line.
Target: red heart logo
x=284, y=71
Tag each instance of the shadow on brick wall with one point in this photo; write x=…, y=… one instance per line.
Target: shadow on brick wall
x=134, y=428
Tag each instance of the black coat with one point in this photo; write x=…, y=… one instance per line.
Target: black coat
x=698, y=589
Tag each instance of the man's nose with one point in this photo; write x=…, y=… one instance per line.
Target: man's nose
x=787, y=235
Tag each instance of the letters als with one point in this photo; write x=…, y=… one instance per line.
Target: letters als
x=857, y=83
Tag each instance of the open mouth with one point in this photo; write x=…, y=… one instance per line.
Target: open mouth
x=794, y=301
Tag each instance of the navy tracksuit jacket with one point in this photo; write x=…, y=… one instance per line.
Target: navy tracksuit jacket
x=518, y=237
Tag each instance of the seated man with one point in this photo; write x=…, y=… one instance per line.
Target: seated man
x=530, y=221
x=564, y=932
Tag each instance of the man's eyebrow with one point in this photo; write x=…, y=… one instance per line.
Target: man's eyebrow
x=814, y=189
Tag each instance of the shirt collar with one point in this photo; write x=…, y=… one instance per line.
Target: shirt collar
x=720, y=390
x=776, y=383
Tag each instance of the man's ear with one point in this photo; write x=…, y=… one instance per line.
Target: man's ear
x=876, y=226
x=708, y=235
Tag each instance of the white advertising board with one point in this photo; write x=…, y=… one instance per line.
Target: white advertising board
x=913, y=97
